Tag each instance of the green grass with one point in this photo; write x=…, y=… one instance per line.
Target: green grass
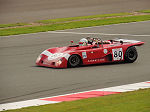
x=12, y=25
x=136, y=101
x=73, y=24
x=145, y=11
x=81, y=18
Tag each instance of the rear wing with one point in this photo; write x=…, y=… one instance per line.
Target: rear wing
x=134, y=42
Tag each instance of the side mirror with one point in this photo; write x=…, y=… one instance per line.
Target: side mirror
x=80, y=42
x=71, y=42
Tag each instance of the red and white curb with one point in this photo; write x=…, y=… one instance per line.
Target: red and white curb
x=76, y=96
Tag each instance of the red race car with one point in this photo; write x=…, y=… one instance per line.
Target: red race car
x=90, y=51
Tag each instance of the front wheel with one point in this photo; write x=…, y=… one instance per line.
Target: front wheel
x=131, y=54
x=74, y=61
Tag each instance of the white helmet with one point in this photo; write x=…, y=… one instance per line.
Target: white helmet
x=83, y=42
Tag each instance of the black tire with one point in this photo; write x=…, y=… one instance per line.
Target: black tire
x=74, y=61
x=131, y=54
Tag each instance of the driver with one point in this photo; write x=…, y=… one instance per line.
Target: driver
x=83, y=42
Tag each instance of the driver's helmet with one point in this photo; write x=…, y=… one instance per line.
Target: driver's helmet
x=83, y=42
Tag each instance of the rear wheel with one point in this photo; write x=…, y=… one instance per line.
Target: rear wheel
x=131, y=54
x=74, y=61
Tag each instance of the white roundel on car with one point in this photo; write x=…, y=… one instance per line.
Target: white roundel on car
x=55, y=55
x=58, y=55
x=52, y=56
x=117, y=54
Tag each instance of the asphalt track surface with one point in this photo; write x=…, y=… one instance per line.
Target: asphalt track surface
x=21, y=79
x=13, y=11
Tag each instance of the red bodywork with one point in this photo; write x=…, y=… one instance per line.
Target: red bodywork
x=90, y=54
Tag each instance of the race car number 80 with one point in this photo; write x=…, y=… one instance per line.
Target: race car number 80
x=117, y=54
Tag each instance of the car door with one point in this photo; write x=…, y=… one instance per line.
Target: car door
x=95, y=53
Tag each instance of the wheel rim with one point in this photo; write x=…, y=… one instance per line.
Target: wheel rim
x=131, y=54
x=74, y=60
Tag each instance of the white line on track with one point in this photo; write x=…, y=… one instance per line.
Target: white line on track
x=58, y=32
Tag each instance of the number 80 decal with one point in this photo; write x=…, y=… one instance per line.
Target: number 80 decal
x=117, y=54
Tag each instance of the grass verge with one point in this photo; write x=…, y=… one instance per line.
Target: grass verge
x=72, y=22
x=71, y=25
x=145, y=11
x=136, y=101
x=13, y=25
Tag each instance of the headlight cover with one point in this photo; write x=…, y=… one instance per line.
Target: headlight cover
x=59, y=61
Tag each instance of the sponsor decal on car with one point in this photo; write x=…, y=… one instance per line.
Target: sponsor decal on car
x=105, y=51
x=84, y=55
x=98, y=59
